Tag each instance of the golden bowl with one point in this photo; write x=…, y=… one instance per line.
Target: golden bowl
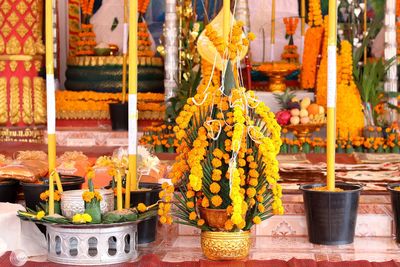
x=225, y=245
x=214, y=218
x=277, y=71
x=302, y=131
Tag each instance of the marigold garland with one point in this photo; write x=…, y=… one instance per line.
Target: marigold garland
x=322, y=78
x=312, y=46
x=348, y=96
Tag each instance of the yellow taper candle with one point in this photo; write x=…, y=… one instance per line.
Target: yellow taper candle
x=125, y=51
x=227, y=20
x=365, y=29
x=331, y=101
x=132, y=132
x=303, y=17
x=119, y=191
x=128, y=190
x=51, y=107
x=273, y=30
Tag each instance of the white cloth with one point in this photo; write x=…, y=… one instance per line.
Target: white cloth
x=103, y=20
x=260, y=24
x=19, y=235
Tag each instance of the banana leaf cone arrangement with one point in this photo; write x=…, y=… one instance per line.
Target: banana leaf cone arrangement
x=226, y=168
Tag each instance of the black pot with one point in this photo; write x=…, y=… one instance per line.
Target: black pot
x=147, y=229
x=32, y=191
x=395, y=196
x=119, y=116
x=331, y=216
x=8, y=191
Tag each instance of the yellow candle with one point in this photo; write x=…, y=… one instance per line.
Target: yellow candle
x=303, y=17
x=365, y=30
x=273, y=22
x=128, y=190
x=331, y=101
x=119, y=191
x=133, y=54
x=227, y=20
x=51, y=108
x=124, y=51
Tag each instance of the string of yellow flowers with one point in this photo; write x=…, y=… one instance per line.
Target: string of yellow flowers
x=348, y=96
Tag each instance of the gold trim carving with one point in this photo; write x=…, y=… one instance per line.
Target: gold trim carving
x=3, y=100
x=40, y=49
x=27, y=112
x=39, y=114
x=111, y=60
x=38, y=65
x=22, y=30
x=5, y=7
x=5, y=29
x=13, y=65
x=27, y=65
x=2, y=65
x=13, y=46
x=13, y=19
x=2, y=46
x=20, y=57
x=22, y=7
x=29, y=19
x=1, y=19
x=29, y=46
x=14, y=101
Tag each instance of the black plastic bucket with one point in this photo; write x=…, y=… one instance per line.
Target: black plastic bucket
x=8, y=191
x=32, y=191
x=119, y=116
x=331, y=216
x=147, y=229
x=395, y=196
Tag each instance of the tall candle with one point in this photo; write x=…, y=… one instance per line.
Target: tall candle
x=125, y=51
x=119, y=191
x=51, y=105
x=227, y=23
x=303, y=27
x=273, y=30
x=132, y=107
x=331, y=101
x=365, y=29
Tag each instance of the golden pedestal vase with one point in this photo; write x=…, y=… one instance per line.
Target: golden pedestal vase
x=277, y=71
x=225, y=245
x=221, y=245
x=304, y=131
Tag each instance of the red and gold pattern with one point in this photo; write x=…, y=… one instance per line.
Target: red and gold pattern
x=143, y=5
x=74, y=25
x=20, y=50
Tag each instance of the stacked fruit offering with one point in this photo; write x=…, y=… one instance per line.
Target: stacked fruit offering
x=295, y=111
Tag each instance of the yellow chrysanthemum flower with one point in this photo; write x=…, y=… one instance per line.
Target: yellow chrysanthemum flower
x=141, y=207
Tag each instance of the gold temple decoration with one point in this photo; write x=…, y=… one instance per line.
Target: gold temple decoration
x=29, y=46
x=22, y=30
x=2, y=46
x=14, y=100
x=38, y=64
x=1, y=18
x=29, y=19
x=3, y=100
x=13, y=47
x=13, y=65
x=22, y=7
x=2, y=65
x=111, y=60
x=39, y=46
x=225, y=245
x=13, y=19
x=5, y=29
x=6, y=7
x=20, y=57
x=39, y=114
x=27, y=101
x=27, y=65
